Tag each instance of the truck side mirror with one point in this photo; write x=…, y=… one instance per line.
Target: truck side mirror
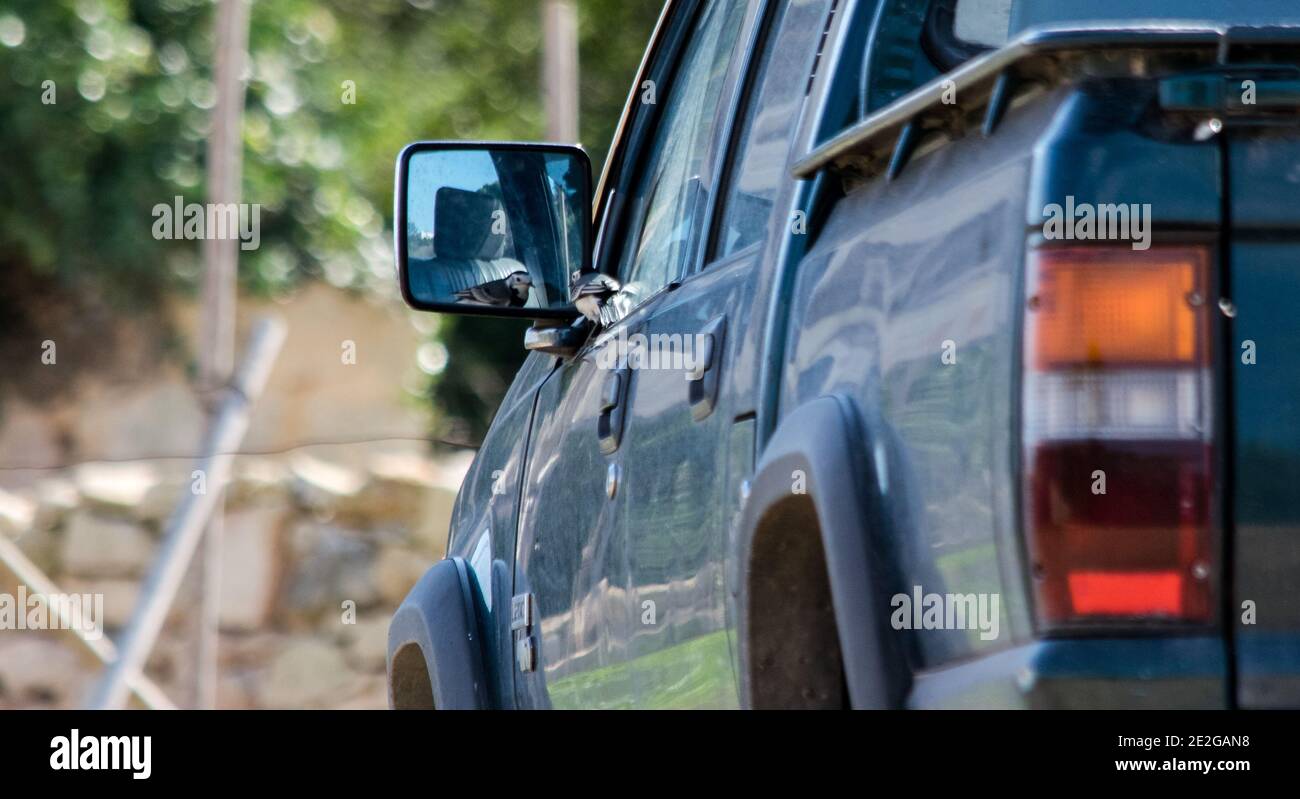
x=492, y=228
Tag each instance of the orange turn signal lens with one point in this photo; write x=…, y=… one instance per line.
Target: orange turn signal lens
x=1117, y=307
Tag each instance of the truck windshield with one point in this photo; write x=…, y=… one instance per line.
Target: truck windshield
x=992, y=23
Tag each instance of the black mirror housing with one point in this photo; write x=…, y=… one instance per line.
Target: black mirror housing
x=492, y=228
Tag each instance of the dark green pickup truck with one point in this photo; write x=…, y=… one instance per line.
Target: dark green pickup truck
x=916, y=353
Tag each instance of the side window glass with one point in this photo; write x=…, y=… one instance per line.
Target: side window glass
x=982, y=22
x=772, y=109
x=897, y=61
x=667, y=199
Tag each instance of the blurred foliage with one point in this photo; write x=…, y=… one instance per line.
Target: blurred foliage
x=131, y=84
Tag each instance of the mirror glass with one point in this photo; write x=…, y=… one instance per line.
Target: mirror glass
x=494, y=229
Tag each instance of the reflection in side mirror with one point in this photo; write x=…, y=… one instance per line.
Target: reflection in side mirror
x=492, y=228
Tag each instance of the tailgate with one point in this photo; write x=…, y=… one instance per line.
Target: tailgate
x=1263, y=162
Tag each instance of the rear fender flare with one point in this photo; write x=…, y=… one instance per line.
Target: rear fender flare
x=824, y=440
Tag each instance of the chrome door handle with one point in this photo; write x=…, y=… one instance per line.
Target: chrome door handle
x=613, y=404
x=705, y=371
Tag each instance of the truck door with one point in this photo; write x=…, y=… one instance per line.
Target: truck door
x=689, y=438
x=572, y=558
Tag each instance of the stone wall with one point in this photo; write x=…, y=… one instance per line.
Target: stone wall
x=321, y=541
x=316, y=557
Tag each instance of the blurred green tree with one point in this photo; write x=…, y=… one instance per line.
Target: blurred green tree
x=104, y=112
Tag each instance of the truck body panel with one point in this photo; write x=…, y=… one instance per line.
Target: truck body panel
x=889, y=273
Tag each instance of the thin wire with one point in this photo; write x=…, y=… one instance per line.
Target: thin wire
x=323, y=442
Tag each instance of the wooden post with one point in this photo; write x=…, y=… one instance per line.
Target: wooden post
x=217, y=313
x=560, y=69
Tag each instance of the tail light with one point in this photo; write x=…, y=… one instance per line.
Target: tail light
x=1117, y=436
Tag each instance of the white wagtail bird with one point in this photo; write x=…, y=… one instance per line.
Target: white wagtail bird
x=593, y=295
x=510, y=291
